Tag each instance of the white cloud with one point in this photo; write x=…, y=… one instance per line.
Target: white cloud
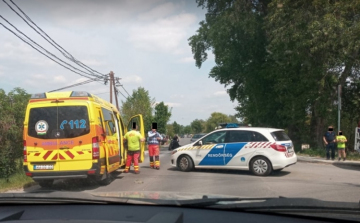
x=131, y=79
x=158, y=12
x=220, y=93
x=187, y=60
x=177, y=96
x=172, y=104
x=163, y=34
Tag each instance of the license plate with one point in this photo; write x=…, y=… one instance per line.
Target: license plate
x=43, y=167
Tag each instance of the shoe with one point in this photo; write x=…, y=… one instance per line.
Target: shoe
x=158, y=168
x=151, y=167
x=344, y=159
x=126, y=171
x=339, y=159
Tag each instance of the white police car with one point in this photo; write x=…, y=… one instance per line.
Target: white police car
x=261, y=150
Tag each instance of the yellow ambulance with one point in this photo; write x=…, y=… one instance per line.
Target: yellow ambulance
x=74, y=135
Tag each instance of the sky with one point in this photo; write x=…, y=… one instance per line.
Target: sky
x=145, y=43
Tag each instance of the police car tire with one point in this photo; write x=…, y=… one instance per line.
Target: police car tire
x=260, y=160
x=188, y=160
x=46, y=183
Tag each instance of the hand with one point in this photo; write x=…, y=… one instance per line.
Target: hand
x=158, y=138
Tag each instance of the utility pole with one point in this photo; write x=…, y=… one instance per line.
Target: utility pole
x=116, y=93
x=339, y=105
x=111, y=75
x=113, y=87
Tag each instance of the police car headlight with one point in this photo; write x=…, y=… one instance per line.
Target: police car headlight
x=173, y=152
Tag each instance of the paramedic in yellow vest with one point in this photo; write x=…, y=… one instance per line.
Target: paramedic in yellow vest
x=133, y=139
x=341, y=140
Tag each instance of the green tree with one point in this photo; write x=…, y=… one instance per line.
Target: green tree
x=197, y=126
x=215, y=119
x=233, y=119
x=177, y=127
x=170, y=130
x=139, y=102
x=12, y=113
x=282, y=59
x=187, y=129
x=162, y=116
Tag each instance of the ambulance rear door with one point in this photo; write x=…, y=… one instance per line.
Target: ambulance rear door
x=138, y=119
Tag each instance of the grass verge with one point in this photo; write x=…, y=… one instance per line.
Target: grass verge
x=321, y=153
x=16, y=181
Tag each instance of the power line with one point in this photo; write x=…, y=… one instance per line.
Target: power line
x=74, y=85
x=117, y=91
x=69, y=56
x=119, y=84
x=42, y=52
x=42, y=47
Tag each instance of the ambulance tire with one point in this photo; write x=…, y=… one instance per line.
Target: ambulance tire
x=185, y=163
x=106, y=179
x=46, y=183
x=260, y=166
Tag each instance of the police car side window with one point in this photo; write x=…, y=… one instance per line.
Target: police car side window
x=258, y=137
x=216, y=137
x=239, y=136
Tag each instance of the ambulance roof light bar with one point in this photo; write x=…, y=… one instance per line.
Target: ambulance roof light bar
x=38, y=96
x=80, y=94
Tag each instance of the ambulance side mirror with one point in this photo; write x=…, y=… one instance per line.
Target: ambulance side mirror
x=200, y=143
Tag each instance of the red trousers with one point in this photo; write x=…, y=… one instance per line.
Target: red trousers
x=132, y=156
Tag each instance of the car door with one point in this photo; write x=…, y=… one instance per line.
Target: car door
x=240, y=147
x=110, y=141
x=138, y=119
x=211, y=152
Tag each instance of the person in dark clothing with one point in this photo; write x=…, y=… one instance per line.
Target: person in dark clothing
x=329, y=140
x=174, y=143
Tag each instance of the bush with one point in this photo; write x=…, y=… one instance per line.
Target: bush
x=12, y=113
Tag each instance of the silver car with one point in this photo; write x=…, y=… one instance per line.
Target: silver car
x=197, y=136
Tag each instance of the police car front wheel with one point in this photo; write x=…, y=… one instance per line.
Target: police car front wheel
x=185, y=163
x=260, y=166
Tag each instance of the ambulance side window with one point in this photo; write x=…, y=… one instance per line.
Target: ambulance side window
x=109, y=121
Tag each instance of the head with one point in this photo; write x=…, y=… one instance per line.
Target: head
x=134, y=126
x=175, y=137
x=153, y=127
x=330, y=128
x=340, y=133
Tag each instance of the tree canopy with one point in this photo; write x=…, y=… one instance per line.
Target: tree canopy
x=282, y=60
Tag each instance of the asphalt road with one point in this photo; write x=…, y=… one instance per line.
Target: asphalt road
x=311, y=180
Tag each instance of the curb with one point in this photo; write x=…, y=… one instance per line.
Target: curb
x=329, y=162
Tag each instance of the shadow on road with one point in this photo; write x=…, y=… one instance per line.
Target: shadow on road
x=74, y=184
x=237, y=172
x=347, y=166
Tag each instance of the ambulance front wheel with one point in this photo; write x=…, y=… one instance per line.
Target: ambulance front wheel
x=45, y=183
x=185, y=163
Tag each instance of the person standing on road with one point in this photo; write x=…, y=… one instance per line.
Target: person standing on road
x=133, y=139
x=341, y=140
x=154, y=140
x=174, y=143
x=329, y=140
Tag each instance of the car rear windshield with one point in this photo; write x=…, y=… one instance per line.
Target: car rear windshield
x=280, y=136
x=58, y=122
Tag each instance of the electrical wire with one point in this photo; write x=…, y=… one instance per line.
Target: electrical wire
x=42, y=52
x=42, y=47
x=75, y=85
x=52, y=42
